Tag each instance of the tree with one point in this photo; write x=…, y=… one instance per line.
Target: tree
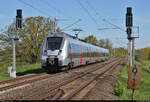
x=101, y=43
x=5, y=36
x=106, y=43
x=139, y=56
x=91, y=39
x=33, y=31
x=145, y=52
x=120, y=51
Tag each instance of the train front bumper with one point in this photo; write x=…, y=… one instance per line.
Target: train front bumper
x=52, y=62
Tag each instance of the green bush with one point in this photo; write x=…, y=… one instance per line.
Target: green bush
x=139, y=57
x=118, y=89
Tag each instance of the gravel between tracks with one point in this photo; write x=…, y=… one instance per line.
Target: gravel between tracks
x=28, y=89
x=19, y=92
x=23, y=80
x=89, y=87
x=34, y=87
x=104, y=88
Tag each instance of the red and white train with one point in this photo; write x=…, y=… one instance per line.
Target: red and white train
x=61, y=50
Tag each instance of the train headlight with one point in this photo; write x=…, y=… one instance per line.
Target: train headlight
x=59, y=52
x=45, y=52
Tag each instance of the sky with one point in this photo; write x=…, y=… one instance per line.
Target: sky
x=91, y=14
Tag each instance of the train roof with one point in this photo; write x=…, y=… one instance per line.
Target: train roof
x=62, y=34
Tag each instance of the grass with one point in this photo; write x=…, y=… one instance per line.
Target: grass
x=144, y=92
x=21, y=69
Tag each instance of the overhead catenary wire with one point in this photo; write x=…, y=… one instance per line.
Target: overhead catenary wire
x=96, y=22
x=37, y=9
x=106, y=28
x=71, y=24
x=49, y=5
x=106, y=21
x=43, y=12
x=114, y=25
x=117, y=27
x=90, y=5
x=60, y=12
x=46, y=14
x=93, y=19
x=121, y=43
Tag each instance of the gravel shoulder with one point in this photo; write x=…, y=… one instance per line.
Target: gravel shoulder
x=104, y=87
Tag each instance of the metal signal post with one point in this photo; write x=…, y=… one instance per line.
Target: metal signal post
x=134, y=73
x=14, y=39
x=129, y=24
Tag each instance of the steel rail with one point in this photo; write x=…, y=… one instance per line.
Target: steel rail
x=28, y=81
x=75, y=92
x=58, y=95
x=20, y=78
x=36, y=92
x=46, y=90
x=52, y=95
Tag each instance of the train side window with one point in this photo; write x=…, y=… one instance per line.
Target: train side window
x=86, y=51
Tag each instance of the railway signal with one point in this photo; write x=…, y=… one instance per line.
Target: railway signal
x=134, y=73
x=129, y=18
x=129, y=31
x=19, y=19
x=14, y=39
x=129, y=24
x=134, y=77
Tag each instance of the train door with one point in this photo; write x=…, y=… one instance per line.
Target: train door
x=87, y=55
x=90, y=55
x=80, y=54
x=70, y=54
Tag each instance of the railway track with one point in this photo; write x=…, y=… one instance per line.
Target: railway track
x=52, y=91
x=76, y=91
x=26, y=80
x=46, y=91
x=20, y=78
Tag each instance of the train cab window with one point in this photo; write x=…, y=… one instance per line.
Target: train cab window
x=54, y=43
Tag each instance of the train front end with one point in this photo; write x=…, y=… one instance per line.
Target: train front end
x=52, y=56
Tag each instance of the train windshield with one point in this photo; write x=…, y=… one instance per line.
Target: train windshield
x=54, y=43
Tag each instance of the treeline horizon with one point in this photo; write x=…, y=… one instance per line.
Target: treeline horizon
x=34, y=29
